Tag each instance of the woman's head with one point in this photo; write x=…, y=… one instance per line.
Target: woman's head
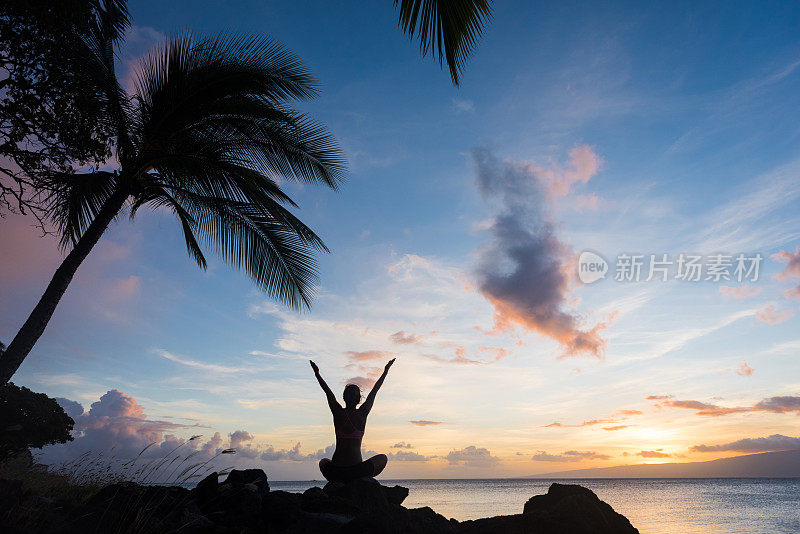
x=352, y=395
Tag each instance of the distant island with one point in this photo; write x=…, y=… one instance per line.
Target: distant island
x=782, y=464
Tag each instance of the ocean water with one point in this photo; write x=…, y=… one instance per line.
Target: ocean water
x=654, y=506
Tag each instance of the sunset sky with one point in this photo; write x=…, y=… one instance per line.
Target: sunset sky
x=659, y=129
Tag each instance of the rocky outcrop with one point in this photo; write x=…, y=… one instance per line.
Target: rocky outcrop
x=243, y=503
x=564, y=509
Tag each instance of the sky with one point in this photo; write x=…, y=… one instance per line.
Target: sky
x=624, y=130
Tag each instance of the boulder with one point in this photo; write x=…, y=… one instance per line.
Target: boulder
x=281, y=510
x=205, y=493
x=249, y=476
x=367, y=494
x=400, y=521
x=565, y=509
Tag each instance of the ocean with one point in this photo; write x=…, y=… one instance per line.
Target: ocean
x=654, y=506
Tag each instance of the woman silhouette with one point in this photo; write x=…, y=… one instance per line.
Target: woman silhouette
x=349, y=423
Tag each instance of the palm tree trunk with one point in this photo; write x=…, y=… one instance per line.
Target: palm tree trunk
x=23, y=342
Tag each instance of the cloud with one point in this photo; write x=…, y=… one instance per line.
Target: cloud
x=116, y=422
x=739, y=292
x=293, y=454
x=212, y=446
x=401, y=338
x=498, y=352
x=407, y=456
x=745, y=370
x=592, y=422
x=569, y=456
x=370, y=355
x=72, y=408
x=618, y=415
x=472, y=456
x=771, y=315
x=188, y=362
x=784, y=404
x=524, y=272
x=629, y=413
x=423, y=422
x=775, y=442
x=239, y=437
x=460, y=357
x=402, y=445
x=780, y=404
x=367, y=377
x=461, y=105
x=617, y=427
x=653, y=454
x=792, y=259
x=122, y=289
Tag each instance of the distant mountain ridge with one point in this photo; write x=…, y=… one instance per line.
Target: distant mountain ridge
x=781, y=464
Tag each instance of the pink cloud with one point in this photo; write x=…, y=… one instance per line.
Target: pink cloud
x=498, y=352
x=792, y=293
x=771, y=315
x=366, y=378
x=370, y=355
x=739, y=292
x=402, y=338
x=424, y=422
x=122, y=289
x=792, y=259
x=745, y=370
x=558, y=181
x=780, y=404
x=116, y=425
x=460, y=357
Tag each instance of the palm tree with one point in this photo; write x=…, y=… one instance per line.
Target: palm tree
x=448, y=29
x=206, y=134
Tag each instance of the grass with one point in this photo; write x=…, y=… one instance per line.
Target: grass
x=75, y=482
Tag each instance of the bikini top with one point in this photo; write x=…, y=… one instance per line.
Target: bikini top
x=355, y=434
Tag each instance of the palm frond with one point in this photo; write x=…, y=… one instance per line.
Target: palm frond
x=214, y=135
x=74, y=201
x=448, y=29
x=277, y=256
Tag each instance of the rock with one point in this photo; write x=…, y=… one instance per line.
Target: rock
x=315, y=500
x=281, y=510
x=244, y=504
x=249, y=476
x=395, y=494
x=367, y=494
x=400, y=521
x=565, y=509
x=205, y=493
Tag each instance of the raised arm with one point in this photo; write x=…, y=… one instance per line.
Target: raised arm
x=332, y=402
x=367, y=406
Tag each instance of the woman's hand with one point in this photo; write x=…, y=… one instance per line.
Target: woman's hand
x=314, y=366
x=386, y=369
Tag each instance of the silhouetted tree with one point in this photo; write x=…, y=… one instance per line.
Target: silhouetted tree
x=30, y=419
x=447, y=29
x=206, y=133
x=48, y=119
